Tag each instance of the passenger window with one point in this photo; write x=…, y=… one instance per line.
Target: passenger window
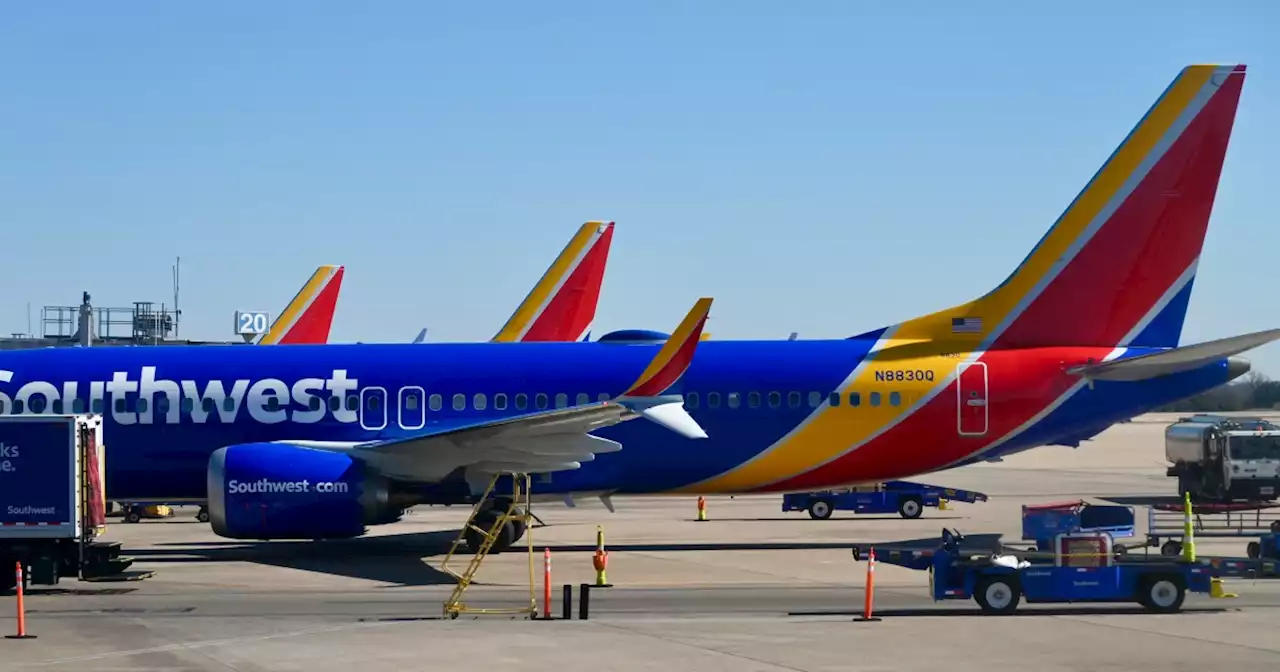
x=713, y=400
x=37, y=405
x=77, y=406
x=691, y=401
x=162, y=405
x=499, y=402
x=562, y=400
x=273, y=404
x=522, y=401
x=435, y=402
x=753, y=399
x=314, y=404
x=188, y=405
x=17, y=406
x=99, y=406
x=583, y=398
x=735, y=399
x=142, y=405
x=540, y=400
x=833, y=399
x=459, y=402
x=815, y=399
x=56, y=406
x=894, y=398
x=2, y=408
x=479, y=401
x=119, y=404
x=353, y=403
x=875, y=398
x=603, y=396
x=793, y=399
x=775, y=399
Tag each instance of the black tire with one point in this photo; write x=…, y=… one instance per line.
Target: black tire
x=998, y=595
x=132, y=517
x=910, y=508
x=1253, y=550
x=820, y=509
x=203, y=515
x=1162, y=594
x=506, y=537
x=1171, y=548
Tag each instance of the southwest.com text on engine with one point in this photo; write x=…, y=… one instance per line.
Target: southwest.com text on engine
x=266, y=485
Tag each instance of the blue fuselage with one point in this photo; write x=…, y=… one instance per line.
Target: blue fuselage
x=168, y=408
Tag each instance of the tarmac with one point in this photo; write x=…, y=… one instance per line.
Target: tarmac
x=752, y=588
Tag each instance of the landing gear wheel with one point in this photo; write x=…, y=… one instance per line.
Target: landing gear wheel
x=820, y=509
x=133, y=515
x=910, y=508
x=203, y=514
x=997, y=595
x=1171, y=549
x=1162, y=594
x=506, y=536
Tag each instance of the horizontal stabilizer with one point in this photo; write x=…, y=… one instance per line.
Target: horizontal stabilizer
x=1176, y=360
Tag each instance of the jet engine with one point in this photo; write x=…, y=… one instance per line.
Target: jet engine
x=281, y=491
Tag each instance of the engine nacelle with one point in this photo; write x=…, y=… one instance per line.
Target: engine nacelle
x=282, y=491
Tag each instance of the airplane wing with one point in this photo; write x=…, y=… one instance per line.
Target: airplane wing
x=562, y=306
x=309, y=315
x=552, y=440
x=1176, y=360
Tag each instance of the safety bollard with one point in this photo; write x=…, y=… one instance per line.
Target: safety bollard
x=546, y=583
x=22, y=611
x=869, y=602
x=601, y=559
x=584, y=600
x=702, y=509
x=567, y=602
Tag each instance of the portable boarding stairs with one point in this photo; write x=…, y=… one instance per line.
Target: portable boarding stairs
x=520, y=502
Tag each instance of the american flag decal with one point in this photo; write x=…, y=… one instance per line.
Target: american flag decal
x=966, y=325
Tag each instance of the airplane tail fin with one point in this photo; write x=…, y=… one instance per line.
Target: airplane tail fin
x=562, y=305
x=1117, y=266
x=309, y=315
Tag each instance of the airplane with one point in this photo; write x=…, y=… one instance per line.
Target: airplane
x=323, y=441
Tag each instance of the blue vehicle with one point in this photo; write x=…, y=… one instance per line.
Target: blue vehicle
x=905, y=498
x=1042, y=523
x=1083, y=568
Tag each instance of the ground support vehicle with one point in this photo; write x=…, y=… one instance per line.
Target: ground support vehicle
x=1083, y=568
x=52, y=505
x=1260, y=520
x=905, y=498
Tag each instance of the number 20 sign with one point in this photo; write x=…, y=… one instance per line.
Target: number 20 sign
x=251, y=322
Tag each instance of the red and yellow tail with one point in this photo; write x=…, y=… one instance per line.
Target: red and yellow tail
x=309, y=315
x=562, y=306
x=1116, y=269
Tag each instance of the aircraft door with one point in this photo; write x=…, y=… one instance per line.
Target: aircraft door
x=373, y=407
x=413, y=407
x=971, y=398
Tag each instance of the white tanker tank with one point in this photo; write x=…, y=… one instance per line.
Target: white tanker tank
x=1220, y=459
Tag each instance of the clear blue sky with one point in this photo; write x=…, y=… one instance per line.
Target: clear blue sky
x=824, y=167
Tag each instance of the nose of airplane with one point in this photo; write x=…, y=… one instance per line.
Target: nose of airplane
x=1237, y=366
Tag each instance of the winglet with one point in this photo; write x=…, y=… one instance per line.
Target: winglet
x=675, y=356
x=647, y=396
x=309, y=315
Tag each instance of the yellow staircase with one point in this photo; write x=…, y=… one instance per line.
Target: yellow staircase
x=517, y=511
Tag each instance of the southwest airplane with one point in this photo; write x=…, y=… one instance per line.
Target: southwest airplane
x=321, y=441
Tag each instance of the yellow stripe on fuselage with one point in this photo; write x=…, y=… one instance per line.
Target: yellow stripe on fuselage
x=296, y=307
x=828, y=433
x=528, y=311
